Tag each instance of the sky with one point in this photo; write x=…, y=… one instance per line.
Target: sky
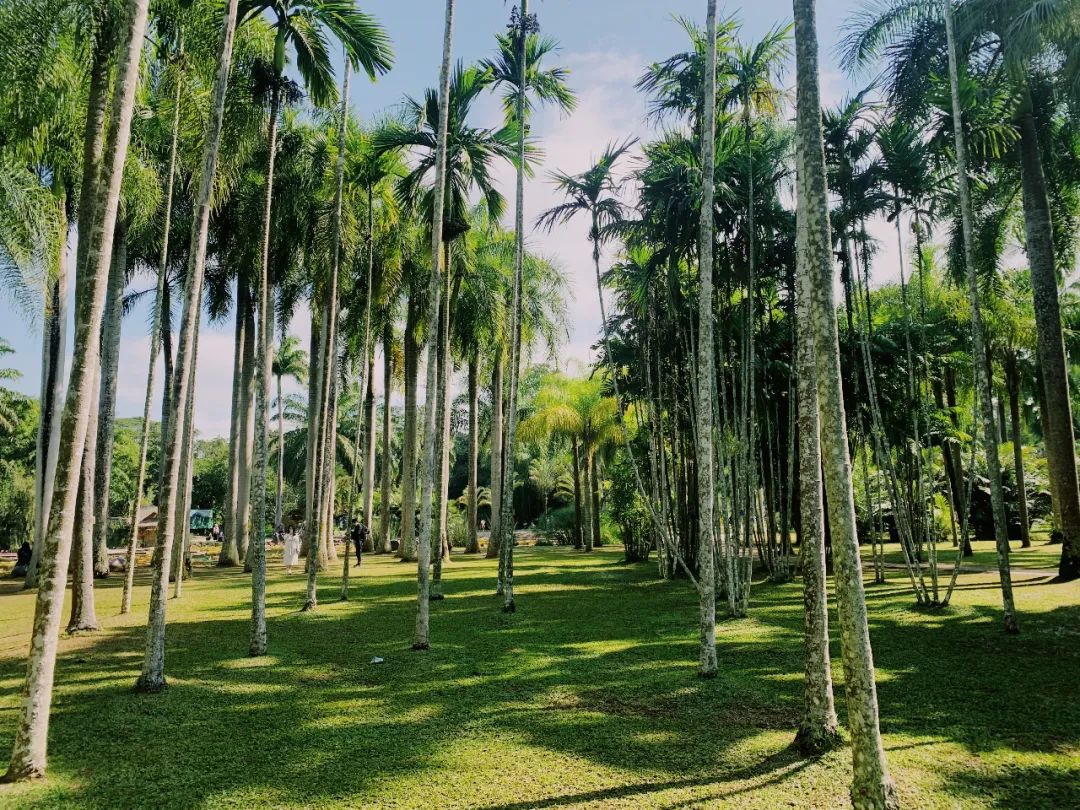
x=605, y=43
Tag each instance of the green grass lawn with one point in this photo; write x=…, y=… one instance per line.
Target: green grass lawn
x=587, y=697
x=1040, y=554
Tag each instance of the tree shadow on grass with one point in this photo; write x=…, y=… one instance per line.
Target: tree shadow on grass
x=597, y=669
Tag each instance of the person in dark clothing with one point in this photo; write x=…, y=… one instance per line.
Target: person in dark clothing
x=359, y=535
x=22, y=560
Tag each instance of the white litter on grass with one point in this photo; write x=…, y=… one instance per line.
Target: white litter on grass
x=376, y=660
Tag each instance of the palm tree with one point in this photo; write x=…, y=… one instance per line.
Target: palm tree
x=978, y=338
x=290, y=360
x=872, y=786
x=152, y=677
x=29, y=749
x=706, y=361
x=303, y=24
x=519, y=70
x=471, y=153
x=1008, y=38
x=440, y=156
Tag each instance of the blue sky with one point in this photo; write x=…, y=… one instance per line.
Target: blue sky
x=605, y=43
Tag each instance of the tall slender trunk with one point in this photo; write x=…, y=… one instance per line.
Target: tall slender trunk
x=368, y=490
x=368, y=380
x=586, y=497
x=54, y=343
x=872, y=787
x=440, y=533
x=495, y=482
x=1058, y=427
x=818, y=729
x=387, y=428
x=167, y=377
x=246, y=440
x=978, y=342
x=152, y=678
x=407, y=546
x=578, y=541
x=263, y=371
x=229, y=555
x=706, y=368
x=155, y=337
x=110, y=358
x=87, y=511
x=183, y=513
x=280, y=484
x=1012, y=380
x=327, y=398
x=506, y=488
x=474, y=452
x=312, y=479
x=28, y=756
x=421, y=636
x=594, y=476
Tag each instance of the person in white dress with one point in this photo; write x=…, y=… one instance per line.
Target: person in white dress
x=292, y=551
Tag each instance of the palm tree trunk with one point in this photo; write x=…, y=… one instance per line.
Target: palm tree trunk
x=387, y=427
x=1060, y=442
x=594, y=475
x=183, y=515
x=1012, y=379
x=496, y=455
x=314, y=427
x=263, y=372
x=367, y=382
x=144, y=438
x=706, y=370
x=578, y=544
x=246, y=439
x=872, y=787
x=818, y=730
x=440, y=533
x=167, y=377
x=110, y=358
x=407, y=546
x=978, y=344
x=85, y=560
x=229, y=555
x=31, y=733
x=474, y=452
x=506, y=488
x=280, y=487
x=83, y=614
x=421, y=636
x=369, y=454
x=53, y=345
x=586, y=492
x=152, y=678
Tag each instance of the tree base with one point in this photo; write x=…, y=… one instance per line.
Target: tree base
x=227, y=563
x=82, y=627
x=247, y=569
x=707, y=675
x=1069, y=568
x=150, y=686
x=421, y=645
x=24, y=773
x=436, y=597
x=101, y=574
x=509, y=607
x=309, y=606
x=1011, y=627
x=813, y=742
x=257, y=650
